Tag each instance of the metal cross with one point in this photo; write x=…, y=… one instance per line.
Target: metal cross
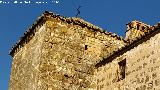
x=78, y=11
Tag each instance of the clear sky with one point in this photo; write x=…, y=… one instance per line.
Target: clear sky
x=111, y=15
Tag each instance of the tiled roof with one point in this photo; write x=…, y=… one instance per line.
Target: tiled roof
x=42, y=19
x=129, y=46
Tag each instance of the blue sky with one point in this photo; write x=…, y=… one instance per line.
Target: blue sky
x=111, y=15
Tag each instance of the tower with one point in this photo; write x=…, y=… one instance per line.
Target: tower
x=58, y=53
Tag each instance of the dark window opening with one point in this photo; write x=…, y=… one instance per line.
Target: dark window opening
x=122, y=67
x=143, y=27
x=85, y=47
x=66, y=76
x=138, y=26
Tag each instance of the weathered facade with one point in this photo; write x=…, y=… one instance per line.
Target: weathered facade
x=58, y=53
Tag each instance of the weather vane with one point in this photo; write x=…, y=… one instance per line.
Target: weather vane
x=78, y=11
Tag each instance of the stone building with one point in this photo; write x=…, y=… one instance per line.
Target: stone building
x=58, y=53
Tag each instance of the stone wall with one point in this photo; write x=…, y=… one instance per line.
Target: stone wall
x=69, y=54
x=61, y=56
x=66, y=54
x=141, y=71
x=25, y=64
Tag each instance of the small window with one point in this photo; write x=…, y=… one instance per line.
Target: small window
x=138, y=26
x=122, y=67
x=86, y=47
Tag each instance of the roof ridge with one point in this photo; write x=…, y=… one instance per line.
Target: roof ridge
x=76, y=21
x=84, y=23
x=139, y=22
x=38, y=22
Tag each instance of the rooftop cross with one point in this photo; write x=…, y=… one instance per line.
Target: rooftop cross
x=78, y=11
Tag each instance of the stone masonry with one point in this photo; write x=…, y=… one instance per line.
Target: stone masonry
x=58, y=53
